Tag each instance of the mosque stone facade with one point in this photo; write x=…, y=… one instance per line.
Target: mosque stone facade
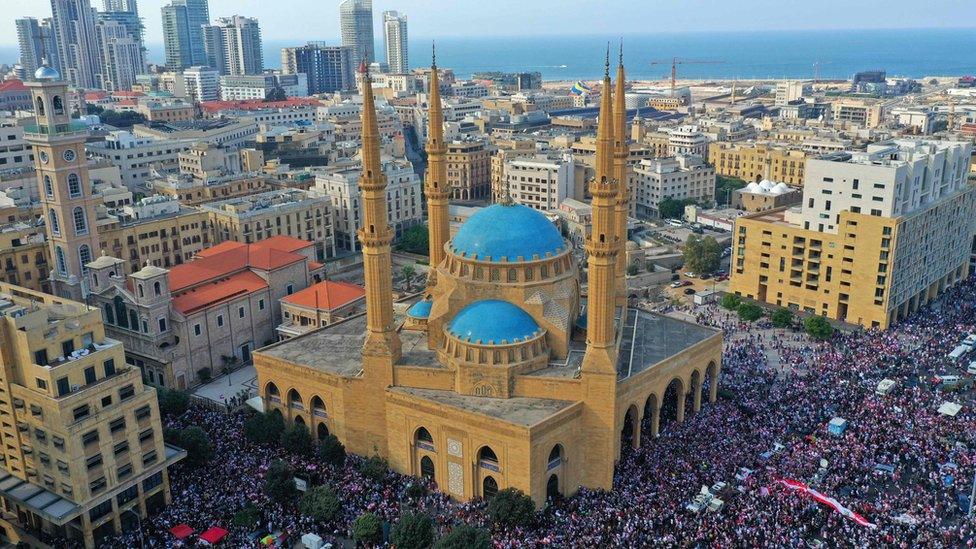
x=502, y=374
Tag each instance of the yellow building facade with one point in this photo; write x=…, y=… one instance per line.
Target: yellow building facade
x=503, y=374
x=755, y=162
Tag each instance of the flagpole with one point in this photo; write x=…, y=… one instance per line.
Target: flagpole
x=972, y=496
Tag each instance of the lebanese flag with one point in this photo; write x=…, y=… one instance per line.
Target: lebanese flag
x=826, y=500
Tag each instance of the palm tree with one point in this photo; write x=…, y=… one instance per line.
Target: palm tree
x=407, y=271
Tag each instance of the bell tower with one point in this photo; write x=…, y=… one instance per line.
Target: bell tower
x=436, y=187
x=65, y=189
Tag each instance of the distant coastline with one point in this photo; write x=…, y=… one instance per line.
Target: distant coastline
x=912, y=53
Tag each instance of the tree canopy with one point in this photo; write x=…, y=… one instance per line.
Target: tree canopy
x=413, y=531
x=818, y=327
x=415, y=240
x=511, y=508
x=702, y=254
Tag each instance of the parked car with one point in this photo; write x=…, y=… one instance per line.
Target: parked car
x=677, y=284
x=686, y=283
x=690, y=291
x=705, y=276
x=690, y=274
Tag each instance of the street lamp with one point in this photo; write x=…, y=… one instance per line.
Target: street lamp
x=142, y=543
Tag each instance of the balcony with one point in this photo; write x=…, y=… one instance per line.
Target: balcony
x=73, y=127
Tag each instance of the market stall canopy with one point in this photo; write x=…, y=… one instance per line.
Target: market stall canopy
x=213, y=535
x=181, y=531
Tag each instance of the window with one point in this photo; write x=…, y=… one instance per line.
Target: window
x=89, y=375
x=80, y=220
x=240, y=312
x=48, y=186
x=152, y=482
x=220, y=320
x=162, y=324
x=74, y=186
x=127, y=392
x=109, y=367
x=290, y=289
x=94, y=461
x=121, y=448
x=106, y=401
x=157, y=289
x=55, y=225
x=63, y=386
x=261, y=304
x=41, y=384
x=146, y=435
x=196, y=329
x=116, y=425
x=149, y=458
x=97, y=486
x=81, y=412
x=101, y=509
x=89, y=438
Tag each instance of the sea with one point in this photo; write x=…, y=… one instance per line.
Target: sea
x=709, y=55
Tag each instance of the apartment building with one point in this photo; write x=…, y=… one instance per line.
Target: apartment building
x=676, y=178
x=340, y=188
x=469, y=169
x=756, y=162
x=182, y=325
x=24, y=256
x=858, y=112
x=879, y=233
x=541, y=182
x=288, y=212
x=83, y=448
x=227, y=132
x=505, y=150
x=15, y=153
x=139, y=158
x=688, y=139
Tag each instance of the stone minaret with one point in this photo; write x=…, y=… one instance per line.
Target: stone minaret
x=436, y=187
x=599, y=372
x=65, y=188
x=375, y=236
x=621, y=153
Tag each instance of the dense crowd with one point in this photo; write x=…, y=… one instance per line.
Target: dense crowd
x=912, y=503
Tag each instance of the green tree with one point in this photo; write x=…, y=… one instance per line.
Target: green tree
x=702, y=254
x=204, y=374
x=407, y=272
x=172, y=403
x=511, y=508
x=332, y=451
x=264, y=428
x=730, y=302
x=124, y=119
x=670, y=208
x=367, y=530
x=724, y=187
x=321, y=504
x=415, y=240
x=374, y=468
x=782, y=317
x=280, y=482
x=276, y=94
x=415, y=491
x=413, y=531
x=297, y=440
x=197, y=445
x=750, y=312
x=465, y=537
x=818, y=327
x=246, y=518
x=631, y=270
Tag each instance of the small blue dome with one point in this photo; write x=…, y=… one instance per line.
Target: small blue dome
x=493, y=321
x=504, y=232
x=420, y=309
x=45, y=72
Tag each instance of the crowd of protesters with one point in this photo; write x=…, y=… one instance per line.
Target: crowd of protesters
x=902, y=465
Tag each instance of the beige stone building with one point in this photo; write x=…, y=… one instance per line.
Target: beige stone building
x=505, y=150
x=288, y=212
x=24, y=256
x=469, y=169
x=863, y=113
x=83, y=450
x=878, y=234
x=486, y=383
x=754, y=162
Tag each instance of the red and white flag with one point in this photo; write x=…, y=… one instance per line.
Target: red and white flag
x=827, y=500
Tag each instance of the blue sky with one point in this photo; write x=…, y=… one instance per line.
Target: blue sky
x=318, y=19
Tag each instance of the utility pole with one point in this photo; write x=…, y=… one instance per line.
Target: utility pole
x=972, y=496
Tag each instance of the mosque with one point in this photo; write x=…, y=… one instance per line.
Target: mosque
x=503, y=374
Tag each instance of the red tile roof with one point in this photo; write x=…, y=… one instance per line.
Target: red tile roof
x=328, y=295
x=226, y=258
x=12, y=85
x=256, y=104
x=218, y=291
x=127, y=93
x=96, y=95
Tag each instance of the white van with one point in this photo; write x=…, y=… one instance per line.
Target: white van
x=972, y=368
x=959, y=351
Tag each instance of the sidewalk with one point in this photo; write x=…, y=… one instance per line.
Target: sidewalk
x=224, y=387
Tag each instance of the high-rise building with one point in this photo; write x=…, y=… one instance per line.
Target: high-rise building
x=74, y=24
x=121, y=55
x=62, y=171
x=183, y=22
x=202, y=83
x=356, y=29
x=879, y=234
x=233, y=46
x=83, y=444
x=329, y=68
x=37, y=43
x=395, y=41
x=121, y=5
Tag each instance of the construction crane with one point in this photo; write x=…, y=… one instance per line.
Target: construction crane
x=674, y=68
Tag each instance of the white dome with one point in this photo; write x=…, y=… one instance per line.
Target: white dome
x=766, y=185
x=753, y=188
x=780, y=188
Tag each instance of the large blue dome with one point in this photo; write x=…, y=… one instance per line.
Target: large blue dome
x=493, y=321
x=505, y=232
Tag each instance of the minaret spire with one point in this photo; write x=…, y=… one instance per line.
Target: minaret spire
x=375, y=236
x=621, y=154
x=436, y=186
